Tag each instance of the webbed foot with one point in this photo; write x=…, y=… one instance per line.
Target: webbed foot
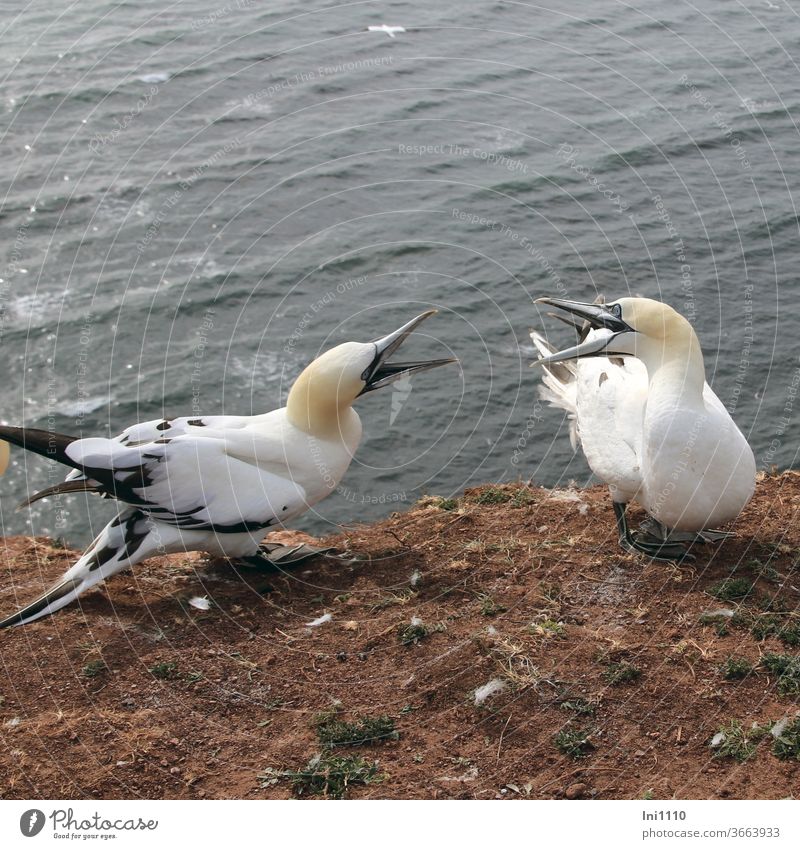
x=273, y=556
x=655, y=531
x=666, y=550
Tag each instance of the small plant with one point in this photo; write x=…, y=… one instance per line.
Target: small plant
x=731, y=589
x=523, y=497
x=447, y=503
x=787, y=744
x=621, y=672
x=413, y=633
x=777, y=664
x=736, y=668
x=575, y=744
x=770, y=603
x=550, y=592
x=788, y=632
x=164, y=671
x=393, y=599
x=94, y=668
x=733, y=741
x=582, y=707
x=786, y=669
x=786, y=629
x=326, y=775
x=549, y=629
x=489, y=607
x=493, y=495
x=763, y=570
x=764, y=626
x=367, y=731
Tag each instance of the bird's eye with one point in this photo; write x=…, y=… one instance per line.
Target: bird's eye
x=616, y=310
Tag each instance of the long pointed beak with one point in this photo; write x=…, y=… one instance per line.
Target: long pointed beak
x=605, y=319
x=598, y=315
x=381, y=373
x=594, y=347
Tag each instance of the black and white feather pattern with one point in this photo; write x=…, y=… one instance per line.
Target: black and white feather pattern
x=198, y=480
x=212, y=483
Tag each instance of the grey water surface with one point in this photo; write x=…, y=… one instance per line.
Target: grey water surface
x=198, y=197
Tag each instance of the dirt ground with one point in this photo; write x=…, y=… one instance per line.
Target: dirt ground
x=603, y=669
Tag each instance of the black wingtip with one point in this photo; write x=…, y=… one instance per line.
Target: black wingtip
x=32, y=610
x=45, y=442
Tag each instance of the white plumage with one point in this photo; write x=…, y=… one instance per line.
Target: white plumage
x=216, y=483
x=604, y=401
x=650, y=426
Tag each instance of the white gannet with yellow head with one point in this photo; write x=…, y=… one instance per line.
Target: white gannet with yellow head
x=216, y=483
x=649, y=424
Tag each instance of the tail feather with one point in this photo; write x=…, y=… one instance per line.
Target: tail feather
x=56, y=597
x=44, y=442
x=559, y=386
x=82, y=485
x=125, y=541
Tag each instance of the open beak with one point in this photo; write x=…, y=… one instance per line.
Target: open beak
x=381, y=373
x=604, y=318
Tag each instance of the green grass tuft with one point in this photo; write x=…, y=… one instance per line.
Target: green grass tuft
x=523, y=497
x=489, y=607
x=621, y=673
x=412, y=633
x=94, y=668
x=493, y=496
x=165, y=671
x=786, y=669
x=549, y=628
x=788, y=632
x=447, y=504
x=731, y=589
x=327, y=775
x=736, y=668
x=582, y=707
x=575, y=744
x=787, y=744
x=366, y=731
x=735, y=743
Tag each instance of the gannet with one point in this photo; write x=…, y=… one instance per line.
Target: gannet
x=216, y=483
x=389, y=30
x=649, y=424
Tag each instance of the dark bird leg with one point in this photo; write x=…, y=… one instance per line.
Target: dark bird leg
x=657, y=550
x=652, y=528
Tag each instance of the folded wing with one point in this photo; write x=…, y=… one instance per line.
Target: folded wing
x=193, y=481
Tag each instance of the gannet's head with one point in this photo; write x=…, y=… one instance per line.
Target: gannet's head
x=336, y=378
x=639, y=327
